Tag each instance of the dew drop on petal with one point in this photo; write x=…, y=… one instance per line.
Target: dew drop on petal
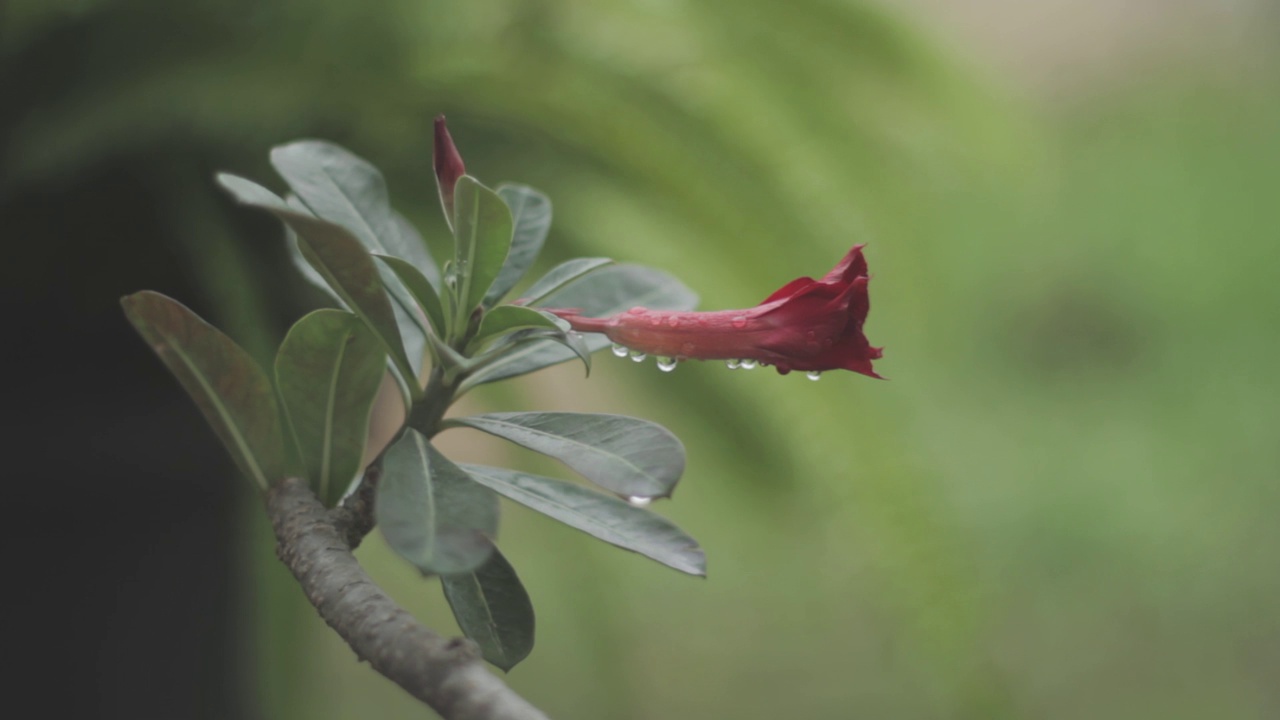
x=673, y=321
x=636, y=310
x=639, y=500
x=620, y=350
x=813, y=374
x=733, y=364
x=748, y=364
x=740, y=321
x=666, y=364
x=637, y=356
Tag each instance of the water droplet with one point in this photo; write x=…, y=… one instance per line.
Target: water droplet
x=637, y=356
x=666, y=364
x=636, y=310
x=639, y=500
x=813, y=375
x=620, y=350
x=673, y=321
x=733, y=364
x=748, y=364
x=655, y=320
x=740, y=321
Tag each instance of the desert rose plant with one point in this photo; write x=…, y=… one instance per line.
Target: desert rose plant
x=339, y=436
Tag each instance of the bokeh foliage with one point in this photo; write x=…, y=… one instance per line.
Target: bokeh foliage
x=1060, y=505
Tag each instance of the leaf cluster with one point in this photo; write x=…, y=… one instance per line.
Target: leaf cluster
x=413, y=335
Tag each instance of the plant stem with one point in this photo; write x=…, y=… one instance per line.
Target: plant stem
x=440, y=394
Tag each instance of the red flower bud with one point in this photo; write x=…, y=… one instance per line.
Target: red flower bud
x=808, y=325
x=448, y=166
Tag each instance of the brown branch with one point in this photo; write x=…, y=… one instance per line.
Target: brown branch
x=446, y=674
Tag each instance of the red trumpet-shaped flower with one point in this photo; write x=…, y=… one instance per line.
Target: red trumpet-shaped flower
x=808, y=325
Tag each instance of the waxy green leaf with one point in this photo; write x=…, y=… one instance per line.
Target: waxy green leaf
x=343, y=263
x=333, y=184
x=230, y=389
x=343, y=188
x=625, y=455
x=510, y=318
x=430, y=511
x=604, y=292
x=482, y=238
x=561, y=275
x=328, y=371
x=612, y=520
x=421, y=290
x=493, y=609
x=531, y=219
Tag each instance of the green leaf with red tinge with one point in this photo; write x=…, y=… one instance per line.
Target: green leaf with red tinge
x=230, y=389
x=343, y=263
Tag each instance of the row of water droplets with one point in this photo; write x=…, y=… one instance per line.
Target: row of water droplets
x=667, y=364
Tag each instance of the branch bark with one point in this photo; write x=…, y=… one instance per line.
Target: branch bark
x=446, y=674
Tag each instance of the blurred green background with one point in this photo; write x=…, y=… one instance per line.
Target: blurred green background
x=1061, y=506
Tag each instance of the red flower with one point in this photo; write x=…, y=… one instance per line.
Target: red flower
x=448, y=166
x=808, y=325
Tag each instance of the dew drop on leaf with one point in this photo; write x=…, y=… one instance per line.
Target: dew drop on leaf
x=640, y=500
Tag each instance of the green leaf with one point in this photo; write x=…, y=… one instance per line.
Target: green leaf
x=421, y=289
x=482, y=237
x=328, y=371
x=510, y=318
x=531, y=219
x=493, y=609
x=608, y=291
x=431, y=512
x=602, y=516
x=626, y=455
x=561, y=275
x=333, y=184
x=405, y=244
x=227, y=385
x=303, y=267
x=343, y=263
x=338, y=186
